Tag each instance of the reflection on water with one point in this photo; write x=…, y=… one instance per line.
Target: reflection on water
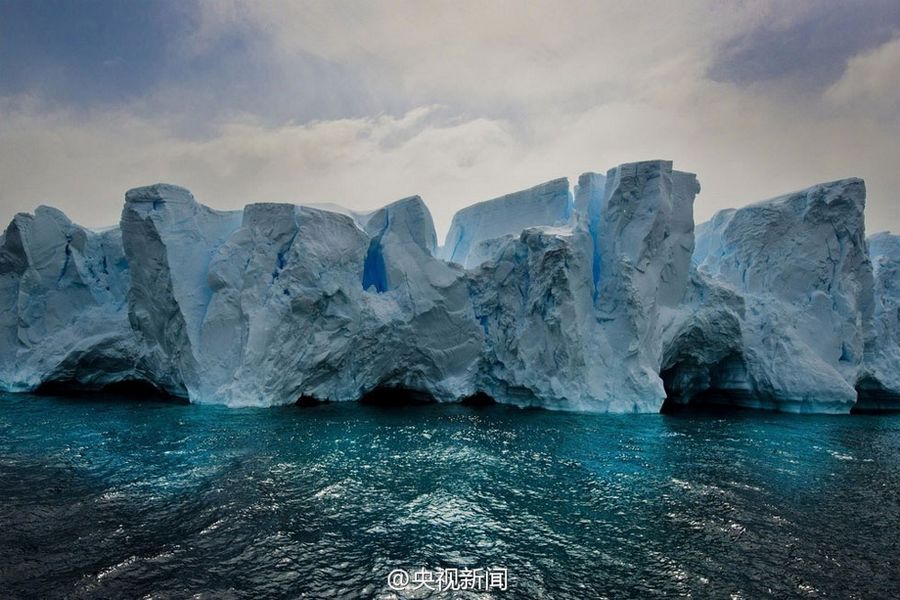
x=112, y=499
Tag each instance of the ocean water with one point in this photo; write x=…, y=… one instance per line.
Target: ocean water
x=107, y=498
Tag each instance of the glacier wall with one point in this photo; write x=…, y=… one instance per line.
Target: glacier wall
x=476, y=231
x=800, y=266
x=880, y=378
x=603, y=298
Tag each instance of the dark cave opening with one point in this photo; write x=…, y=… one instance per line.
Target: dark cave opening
x=723, y=386
x=399, y=396
x=131, y=389
x=478, y=399
x=872, y=398
x=309, y=401
x=396, y=396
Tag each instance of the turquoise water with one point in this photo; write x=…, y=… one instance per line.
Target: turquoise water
x=112, y=498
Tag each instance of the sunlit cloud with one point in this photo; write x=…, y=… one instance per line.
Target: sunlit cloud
x=363, y=103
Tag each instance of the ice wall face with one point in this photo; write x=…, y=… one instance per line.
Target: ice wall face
x=64, y=315
x=533, y=304
x=281, y=301
x=800, y=264
x=646, y=237
x=589, y=196
x=565, y=331
x=879, y=386
x=424, y=333
x=169, y=240
x=601, y=302
x=475, y=231
x=282, y=311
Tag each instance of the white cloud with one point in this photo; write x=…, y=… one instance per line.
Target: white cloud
x=871, y=82
x=482, y=99
x=84, y=167
x=503, y=54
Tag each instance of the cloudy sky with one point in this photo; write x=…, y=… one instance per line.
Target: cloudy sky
x=459, y=101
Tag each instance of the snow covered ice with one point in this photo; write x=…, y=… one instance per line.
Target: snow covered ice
x=803, y=279
x=597, y=298
x=477, y=230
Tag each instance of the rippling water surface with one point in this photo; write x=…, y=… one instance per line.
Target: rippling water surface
x=108, y=498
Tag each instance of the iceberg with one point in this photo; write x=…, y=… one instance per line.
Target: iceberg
x=879, y=384
x=475, y=230
x=63, y=290
x=599, y=298
x=567, y=333
x=802, y=284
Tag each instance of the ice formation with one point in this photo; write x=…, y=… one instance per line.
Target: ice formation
x=795, y=335
x=880, y=380
x=599, y=299
x=478, y=231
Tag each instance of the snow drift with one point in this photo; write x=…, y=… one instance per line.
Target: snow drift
x=602, y=298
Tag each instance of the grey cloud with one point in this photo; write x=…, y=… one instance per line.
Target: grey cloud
x=361, y=104
x=812, y=49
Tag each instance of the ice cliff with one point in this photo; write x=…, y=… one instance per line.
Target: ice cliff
x=478, y=230
x=794, y=336
x=602, y=298
x=880, y=379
